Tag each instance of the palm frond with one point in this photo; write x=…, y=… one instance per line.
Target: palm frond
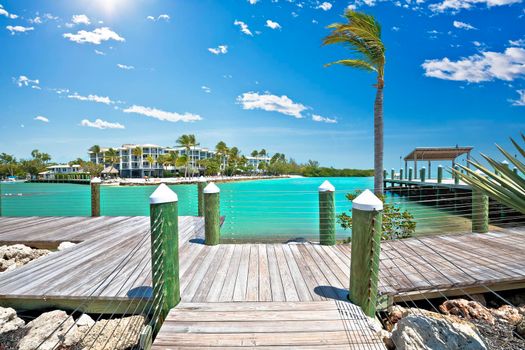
x=355, y=64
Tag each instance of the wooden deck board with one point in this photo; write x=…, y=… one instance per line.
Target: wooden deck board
x=266, y=325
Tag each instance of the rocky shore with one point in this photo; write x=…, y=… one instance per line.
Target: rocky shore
x=58, y=330
x=456, y=324
x=13, y=256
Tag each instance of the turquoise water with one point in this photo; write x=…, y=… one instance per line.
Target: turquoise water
x=255, y=210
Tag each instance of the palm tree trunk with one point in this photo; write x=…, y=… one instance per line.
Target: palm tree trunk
x=378, y=139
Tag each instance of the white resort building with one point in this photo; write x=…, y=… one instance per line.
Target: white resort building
x=139, y=160
x=53, y=170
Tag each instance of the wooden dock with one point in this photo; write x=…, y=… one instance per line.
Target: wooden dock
x=110, y=271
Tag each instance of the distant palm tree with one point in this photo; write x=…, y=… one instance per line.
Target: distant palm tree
x=188, y=142
x=182, y=161
x=150, y=161
x=95, y=149
x=362, y=34
x=111, y=157
x=222, y=150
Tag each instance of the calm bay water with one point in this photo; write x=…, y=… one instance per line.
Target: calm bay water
x=255, y=210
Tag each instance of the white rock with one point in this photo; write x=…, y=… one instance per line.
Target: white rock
x=439, y=332
x=49, y=330
x=115, y=334
x=9, y=321
x=65, y=245
x=85, y=320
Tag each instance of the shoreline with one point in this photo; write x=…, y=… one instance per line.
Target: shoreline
x=190, y=180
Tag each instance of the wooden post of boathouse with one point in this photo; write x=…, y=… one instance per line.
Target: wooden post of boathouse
x=366, y=245
x=200, y=196
x=327, y=213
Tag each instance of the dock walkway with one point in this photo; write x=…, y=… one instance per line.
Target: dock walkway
x=253, y=279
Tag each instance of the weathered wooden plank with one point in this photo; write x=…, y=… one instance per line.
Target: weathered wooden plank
x=276, y=283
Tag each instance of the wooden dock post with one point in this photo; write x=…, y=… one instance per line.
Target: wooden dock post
x=95, y=196
x=326, y=213
x=385, y=173
x=410, y=174
x=401, y=174
x=422, y=173
x=392, y=174
x=366, y=245
x=212, y=216
x=200, y=196
x=515, y=170
x=440, y=174
x=480, y=212
x=164, y=221
x=456, y=177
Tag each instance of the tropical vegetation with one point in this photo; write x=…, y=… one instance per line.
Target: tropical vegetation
x=361, y=33
x=397, y=223
x=500, y=183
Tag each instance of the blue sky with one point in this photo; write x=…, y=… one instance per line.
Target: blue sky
x=108, y=72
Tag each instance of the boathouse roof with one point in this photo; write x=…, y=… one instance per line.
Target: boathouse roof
x=438, y=153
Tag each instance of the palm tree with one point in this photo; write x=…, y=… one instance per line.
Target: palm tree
x=112, y=157
x=9, y=161
x=188, y=142
x=150, y=161
x=222, y=150
x=362, y=34
x=182, y=161
x=95, y=149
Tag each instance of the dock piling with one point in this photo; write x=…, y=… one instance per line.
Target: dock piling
x=422, y=174
x=392, y=174
x=440, y=174
x=401, y=174
x=164, y=221
x=366, y=245
x=326, y=213
x=480, y=212
x=95, y=196
x=456, y=177
x=410, y=174
x=212, y=216
x=200, y=196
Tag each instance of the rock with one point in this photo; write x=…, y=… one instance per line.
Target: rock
x=386, y=337
x=115, y=334
x=508, y=313
x=65, y=245
x=9, y=321
x=480, y=298
x=85, y=321
x=49, y=330
x=520, y=329
x=418, y=332
x=12, y=256
x=467, y=309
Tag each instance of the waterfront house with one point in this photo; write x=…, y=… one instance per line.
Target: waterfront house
x=53, y=170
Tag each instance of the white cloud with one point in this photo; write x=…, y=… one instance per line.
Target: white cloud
x=80, y=19
x=395, y=29
x=221, y=49
x=352, y=7
x=521, y=100
x=463, y=25
x=96, y=36
x=325, y=6
x=123, y=66
x=318, y=118
x=42, y=119
x=100, y=53
x=457, y=5
x=273, y=25
x=244, y=27
x=92, y=98
x=163, y=17
x=272, y=103
x=484, y=66
x=519, y=42
x=3, y=12
x=163, y=115
x=18, y=29
x=253, y=2
x=101, y=124
x=25, y=81
x=206, y=89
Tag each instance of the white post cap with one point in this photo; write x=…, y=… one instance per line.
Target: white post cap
x=367, y=201
x=202, y=179
x=211, y=188
x=163, y=194
x=505, y=162
x=440, y=166
x=96, y=180
x=326, y=186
